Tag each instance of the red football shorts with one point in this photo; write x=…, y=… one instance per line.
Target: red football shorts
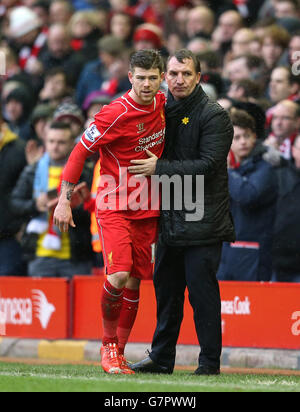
x=128, y=245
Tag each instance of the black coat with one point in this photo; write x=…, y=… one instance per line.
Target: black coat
x=198, y=138
x=286, y=242
x=12, y=162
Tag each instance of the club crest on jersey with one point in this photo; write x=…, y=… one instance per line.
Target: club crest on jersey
x=92, y=133
x=141, y=128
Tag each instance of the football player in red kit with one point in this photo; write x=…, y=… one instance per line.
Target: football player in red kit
x=132, y=126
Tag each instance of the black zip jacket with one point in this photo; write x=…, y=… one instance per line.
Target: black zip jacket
x=198, y=139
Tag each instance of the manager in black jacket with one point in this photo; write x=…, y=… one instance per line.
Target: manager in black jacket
x=198, y=139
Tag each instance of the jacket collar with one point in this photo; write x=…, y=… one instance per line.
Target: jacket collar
x=175, y=108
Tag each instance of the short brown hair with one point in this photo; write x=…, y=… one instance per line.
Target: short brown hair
x=147, y=59
x=250, y=87
x=278, y=35
x=185, y=54
x=242, y=119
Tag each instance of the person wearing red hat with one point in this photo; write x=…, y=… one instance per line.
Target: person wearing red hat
x=147, y=36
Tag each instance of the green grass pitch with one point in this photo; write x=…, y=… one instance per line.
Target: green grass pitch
x=18, y=377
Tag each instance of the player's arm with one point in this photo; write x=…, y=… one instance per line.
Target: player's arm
x=63, y=217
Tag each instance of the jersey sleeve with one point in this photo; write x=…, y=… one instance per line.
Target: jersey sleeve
x=105, y=128
x=75, y=164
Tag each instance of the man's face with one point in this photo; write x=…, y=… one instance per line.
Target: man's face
x=237, y=70
x=284, y=122
x=279, y=85
x=182, y=78
x=14, y=110
x=58, y=42
x=243, y=143
x=241, y=42
x=229, y=23
x=145, y=84
x=271, y=52
x=57, y=85
x=59, y=144
x=285, y=9
x=120, y=26
x=196, y=23
x=59, y=13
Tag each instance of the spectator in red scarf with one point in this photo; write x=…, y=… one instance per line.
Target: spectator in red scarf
x=253, y=193
x=25, y=30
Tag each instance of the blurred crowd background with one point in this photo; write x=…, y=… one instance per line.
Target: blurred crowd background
x=62, y=60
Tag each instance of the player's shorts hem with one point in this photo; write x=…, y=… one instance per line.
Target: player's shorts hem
x=117, y=269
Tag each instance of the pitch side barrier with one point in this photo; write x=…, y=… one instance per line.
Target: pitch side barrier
x=254, y=315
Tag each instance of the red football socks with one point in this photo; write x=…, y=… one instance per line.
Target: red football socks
x=127, y=316
x=111, y=305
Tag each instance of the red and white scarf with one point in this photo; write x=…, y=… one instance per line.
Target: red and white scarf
x=28, y=54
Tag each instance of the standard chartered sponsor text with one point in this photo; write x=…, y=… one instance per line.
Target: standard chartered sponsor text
x=146, y=143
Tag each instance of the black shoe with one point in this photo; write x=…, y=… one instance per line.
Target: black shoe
x=147, y=365
x=207, y=370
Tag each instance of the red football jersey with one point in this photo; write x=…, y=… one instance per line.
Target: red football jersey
x=121, y=132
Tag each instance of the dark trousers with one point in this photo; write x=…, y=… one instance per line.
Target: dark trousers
x=195, y=268
x=11, y=258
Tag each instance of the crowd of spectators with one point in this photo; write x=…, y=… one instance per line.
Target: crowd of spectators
x=62, y=60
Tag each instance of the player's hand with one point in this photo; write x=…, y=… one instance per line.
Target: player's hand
x=144, y=167
x=63, y=217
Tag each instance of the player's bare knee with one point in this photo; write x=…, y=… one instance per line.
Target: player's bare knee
x=119, y=279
